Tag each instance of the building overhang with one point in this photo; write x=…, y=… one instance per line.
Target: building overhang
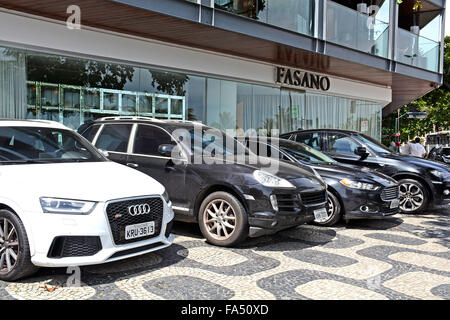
x=189, y=24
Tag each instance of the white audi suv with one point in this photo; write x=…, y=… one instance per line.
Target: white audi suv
x=62, y=203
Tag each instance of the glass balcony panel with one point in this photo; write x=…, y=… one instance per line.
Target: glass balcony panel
x=356, y=30
x=294, y=15
x=417, y=51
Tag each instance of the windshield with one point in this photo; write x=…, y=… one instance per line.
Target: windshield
x=305, y=153
x=372, y=143
x=214, y=142
x=446, y=151
x=44, y=145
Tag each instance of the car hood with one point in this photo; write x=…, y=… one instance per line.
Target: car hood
x=299, y=175
x=341, y=171
x=95, y=181
x=420, y=162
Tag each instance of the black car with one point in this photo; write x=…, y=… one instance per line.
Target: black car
x=441, y=154
x=422, y=182
x=230, y=199
x=353, y=192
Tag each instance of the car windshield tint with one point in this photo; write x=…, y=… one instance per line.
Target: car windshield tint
x=305, y=153
x=446, y=151
x=44, y=145
x=372, y=143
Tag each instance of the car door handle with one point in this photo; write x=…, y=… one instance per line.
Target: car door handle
x=132, y=165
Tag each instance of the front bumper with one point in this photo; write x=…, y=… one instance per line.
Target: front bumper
x=264, y=219
x=48, y=227
x=441, y=194
x=361, y=204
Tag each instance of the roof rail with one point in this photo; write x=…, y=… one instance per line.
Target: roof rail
x=129, y=118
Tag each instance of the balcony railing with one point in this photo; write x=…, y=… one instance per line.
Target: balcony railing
x=417, y=51
x=294, y=15
x=356, y=30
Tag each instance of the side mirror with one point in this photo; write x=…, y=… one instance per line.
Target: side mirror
x=166, y=149
x=104, y=153
x=362, y=152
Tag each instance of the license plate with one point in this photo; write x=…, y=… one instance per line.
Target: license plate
x=395, y=203
x=139, y=230
x=321, y=215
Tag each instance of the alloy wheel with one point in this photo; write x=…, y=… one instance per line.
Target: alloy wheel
x=411, y=197
x=9, y=246
x=219, y=219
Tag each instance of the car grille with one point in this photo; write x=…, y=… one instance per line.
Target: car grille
x=313, y=198
x=74, y=246
x=390, y=193
x=119, y=217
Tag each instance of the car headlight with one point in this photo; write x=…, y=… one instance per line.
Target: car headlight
x=359, y=185
x=66, y=206
x=440, y=174
x=165, y=196
x=270, y=180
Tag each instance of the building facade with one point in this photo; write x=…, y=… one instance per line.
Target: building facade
x=231, y=64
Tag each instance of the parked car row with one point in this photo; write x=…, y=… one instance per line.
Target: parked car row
x=66, y=200
x=422, y=183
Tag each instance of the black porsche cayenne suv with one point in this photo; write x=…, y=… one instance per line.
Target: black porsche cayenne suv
x=353, y=192
x=421, y=182
x=230, y=200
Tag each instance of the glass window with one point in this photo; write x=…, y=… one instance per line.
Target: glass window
x=304, y=153
x=37, y=145
x=196, y=99
x=114, y=137
x=373, y=144
x=341, y=143
x=90, y=132
x=145, y=104
x=129, y=103
x=148, y=139
x=110, y=101
x=313, y=140
x=161, y=105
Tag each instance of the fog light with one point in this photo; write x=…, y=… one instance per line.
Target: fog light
x=274, y=202
x=446, y=192
x=364, y=208
x=274, y=224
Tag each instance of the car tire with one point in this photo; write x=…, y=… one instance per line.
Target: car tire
x=334, y=211
x=15, y=245
x=223, y=219
x=411, y=191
